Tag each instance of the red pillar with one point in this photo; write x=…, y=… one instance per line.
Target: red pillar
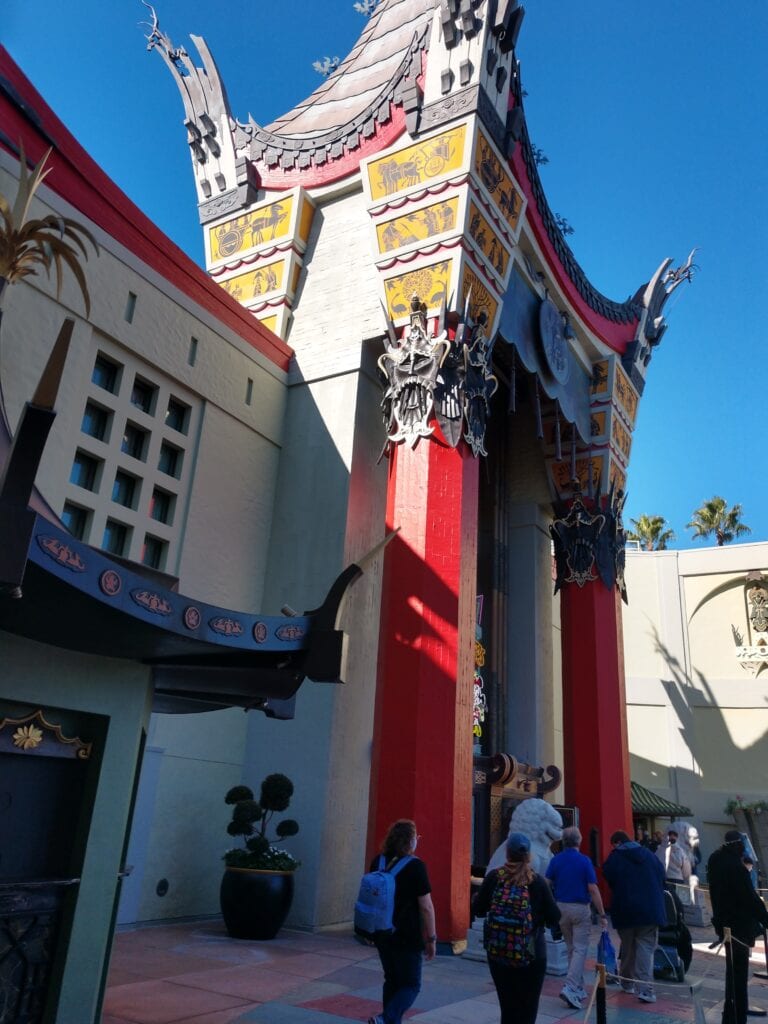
x=596, y=755
x=422, y=742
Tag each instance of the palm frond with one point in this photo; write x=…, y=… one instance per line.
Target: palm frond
x=28, y=245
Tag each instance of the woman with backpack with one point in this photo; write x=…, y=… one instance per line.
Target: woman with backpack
x=413, y=923
x=516, y=904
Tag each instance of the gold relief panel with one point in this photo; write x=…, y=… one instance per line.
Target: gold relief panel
x=270, y=322
x=597, y=425
x=617, y=477
x=561, y=473
x=417, y=226
x=429, y=283
x=487, y=241
x=599, y=386
x=417, y=164
x=481, y=300
x=265, y=223
x=261, y=281
x=625, y=394
x=499, y=184
x=621, y=437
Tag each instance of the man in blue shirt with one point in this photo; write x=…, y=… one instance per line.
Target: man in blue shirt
x=574, y=882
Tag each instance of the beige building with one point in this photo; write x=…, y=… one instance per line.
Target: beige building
x=696, y=658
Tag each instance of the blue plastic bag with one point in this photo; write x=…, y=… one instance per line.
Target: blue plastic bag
x=606, y=954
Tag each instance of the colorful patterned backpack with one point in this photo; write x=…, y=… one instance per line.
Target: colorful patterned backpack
x=509, y=934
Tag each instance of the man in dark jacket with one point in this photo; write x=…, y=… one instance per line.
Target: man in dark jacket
x=636, y=878
x=737, y=906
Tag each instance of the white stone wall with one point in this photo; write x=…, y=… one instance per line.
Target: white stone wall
x=698, y=721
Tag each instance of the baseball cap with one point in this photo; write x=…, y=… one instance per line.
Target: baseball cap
x=518, y=843
x=732, y=836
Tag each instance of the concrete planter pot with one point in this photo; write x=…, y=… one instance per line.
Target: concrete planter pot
x=255, y=903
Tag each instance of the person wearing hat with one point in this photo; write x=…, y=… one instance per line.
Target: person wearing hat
x=737, y=906
x=518, y=984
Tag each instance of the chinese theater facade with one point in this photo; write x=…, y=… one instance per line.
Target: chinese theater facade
x=472, y=391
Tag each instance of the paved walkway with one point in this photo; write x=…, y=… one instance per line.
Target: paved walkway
x=193, y=973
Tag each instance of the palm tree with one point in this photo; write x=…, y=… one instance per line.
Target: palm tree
x=26, y=245
x=652, y=533
x=714, y=516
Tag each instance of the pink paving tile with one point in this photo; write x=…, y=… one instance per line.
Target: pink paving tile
x=312, y=965
x=260, y=986
x=163, y=1002
x=349, y=1006
x=156, y=963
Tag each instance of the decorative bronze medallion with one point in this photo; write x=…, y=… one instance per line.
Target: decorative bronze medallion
x=153, y=602
x=553, y=342
x=191, y=617
x=290, y=632
x=226, y=626
x=110, y=582
x=61, y=553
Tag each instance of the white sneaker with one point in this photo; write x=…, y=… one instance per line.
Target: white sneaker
x=571, y=997
x=647, y=997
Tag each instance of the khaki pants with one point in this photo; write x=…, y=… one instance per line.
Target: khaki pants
x=637, y=946
x=576, y=925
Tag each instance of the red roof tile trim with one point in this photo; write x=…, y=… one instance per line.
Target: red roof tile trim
x=80, y=181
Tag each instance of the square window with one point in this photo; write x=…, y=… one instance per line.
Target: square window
x=153, y=552
x=161, y=506
x=85, y=471
x=134, y=441
x=177, y=416
x=115, y=537
x=170, y=460
x=105, y=374
x=96, y=421
x=75, y=519
x=143, y=395
x=125, y=489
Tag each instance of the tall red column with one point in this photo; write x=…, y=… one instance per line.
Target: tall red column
x=596, y=756
x=422, y=743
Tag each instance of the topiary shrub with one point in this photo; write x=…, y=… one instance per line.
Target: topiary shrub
x=250, y=818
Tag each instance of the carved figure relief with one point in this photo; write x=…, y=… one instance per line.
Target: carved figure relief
x=417, y=226
x=417, y=164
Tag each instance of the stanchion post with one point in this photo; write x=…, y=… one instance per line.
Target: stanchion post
x=600, y=1007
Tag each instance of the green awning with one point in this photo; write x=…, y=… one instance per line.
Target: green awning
x=646, y=802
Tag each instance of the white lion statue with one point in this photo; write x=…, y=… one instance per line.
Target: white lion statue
x=688, y=841
x=542, y=824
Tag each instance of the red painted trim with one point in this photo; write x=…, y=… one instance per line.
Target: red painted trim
x=422, y=745
x=618, y=336
x=76, y=177
x=334, y=170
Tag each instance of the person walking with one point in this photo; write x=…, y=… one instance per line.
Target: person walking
x=735, y=905
x=413, y=933
x=636, y=880
x=517, y=904
x=573, y=880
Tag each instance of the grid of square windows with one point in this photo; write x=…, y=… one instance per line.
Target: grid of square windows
x=115, y=472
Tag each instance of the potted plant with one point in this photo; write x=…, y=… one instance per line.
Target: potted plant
x=257, y=887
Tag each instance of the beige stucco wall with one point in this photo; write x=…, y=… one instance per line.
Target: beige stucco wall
x=220, y=536
x=698, y=720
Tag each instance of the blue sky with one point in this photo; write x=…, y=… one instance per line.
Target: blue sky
x=648, y=113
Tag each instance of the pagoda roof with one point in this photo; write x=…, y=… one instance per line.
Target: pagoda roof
x=366, y=81
x=361, y=109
